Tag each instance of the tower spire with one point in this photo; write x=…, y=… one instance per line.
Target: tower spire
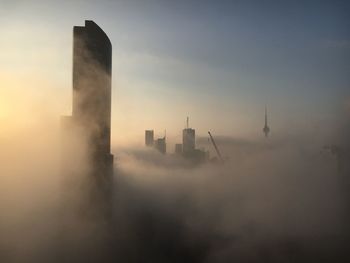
x=266, y=128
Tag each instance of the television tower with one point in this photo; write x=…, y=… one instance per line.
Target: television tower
x=266, y=128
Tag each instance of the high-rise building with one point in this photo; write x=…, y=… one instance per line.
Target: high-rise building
x=149, y=137
x=188, y=139
x=92, y=69
x=90, y=122
x=160, y=145
x=87, y=163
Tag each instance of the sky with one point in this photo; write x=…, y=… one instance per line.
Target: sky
x=218, y=62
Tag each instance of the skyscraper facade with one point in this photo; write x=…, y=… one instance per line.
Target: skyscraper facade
x=87, y=163
x=92, y=67
x=160, y=145
x=188, y=140
x=87, y=160
x=149, y=137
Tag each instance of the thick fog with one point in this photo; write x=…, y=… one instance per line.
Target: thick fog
x=274, y=200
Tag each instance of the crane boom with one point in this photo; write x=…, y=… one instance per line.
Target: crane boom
x=216, y=148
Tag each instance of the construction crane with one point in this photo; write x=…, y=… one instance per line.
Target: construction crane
x=216, y=148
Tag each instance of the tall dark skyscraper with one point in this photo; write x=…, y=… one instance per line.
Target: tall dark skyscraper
x=89, y=127
x=87, y=163
x=92, y=66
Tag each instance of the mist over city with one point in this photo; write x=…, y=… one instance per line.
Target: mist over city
x=163, y=131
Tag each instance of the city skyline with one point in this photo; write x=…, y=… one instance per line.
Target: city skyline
x=295, y=61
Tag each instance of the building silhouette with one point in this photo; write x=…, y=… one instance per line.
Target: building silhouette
x=149, y=137
x=188, y=140
x=91, y=112
x=186, y=150
x=160, y=145
x=189, y=150
x=266, y=128
x=92, y=66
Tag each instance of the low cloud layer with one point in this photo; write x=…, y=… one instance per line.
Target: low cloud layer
x=271, y=201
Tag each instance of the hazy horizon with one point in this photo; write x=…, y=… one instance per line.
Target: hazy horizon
x=219, y=64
